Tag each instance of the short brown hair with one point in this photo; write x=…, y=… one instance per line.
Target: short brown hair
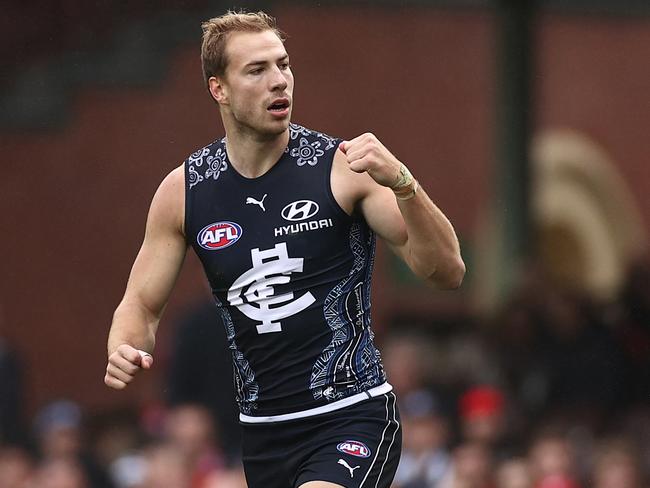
x=215, y=34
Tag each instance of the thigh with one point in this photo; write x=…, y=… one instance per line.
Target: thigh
x=358, y=446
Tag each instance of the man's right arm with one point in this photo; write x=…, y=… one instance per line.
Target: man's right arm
x=155, y=270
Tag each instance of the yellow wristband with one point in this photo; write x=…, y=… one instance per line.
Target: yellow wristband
x=404, y=178
x=410, y=193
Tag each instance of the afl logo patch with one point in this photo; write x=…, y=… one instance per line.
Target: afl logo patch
x=219, y=235
x=300, y=210
x=354, y=448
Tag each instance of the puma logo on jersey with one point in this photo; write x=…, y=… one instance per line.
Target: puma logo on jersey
x=251, y=200
x=342, y=462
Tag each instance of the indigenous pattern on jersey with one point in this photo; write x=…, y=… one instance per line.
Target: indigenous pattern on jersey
x=290, y=274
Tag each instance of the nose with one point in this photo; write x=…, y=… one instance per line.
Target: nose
x=278, y=80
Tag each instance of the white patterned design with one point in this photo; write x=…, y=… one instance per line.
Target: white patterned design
x=307, y=153
x=327, y=367
x=196, y=158
x=296, y=131
x=246, y=388
x=214, y=163
x=195, y=177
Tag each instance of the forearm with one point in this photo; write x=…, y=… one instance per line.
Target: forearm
x=133, y=324
x=421, y=235
x=432, y=250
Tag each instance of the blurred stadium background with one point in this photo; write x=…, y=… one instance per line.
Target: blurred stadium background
x=527, y=122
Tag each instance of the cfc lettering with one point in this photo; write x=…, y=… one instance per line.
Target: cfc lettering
x=254, y=293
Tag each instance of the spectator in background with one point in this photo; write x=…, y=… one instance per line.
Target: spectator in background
x=58, y=430
x=425, y=424
x=513, y=473
x=16, y=468
x=61, y=473
x=471, y=467
x=60, y=442
x=166, y=466
x=552, y=462
x=129, y=470
x=230, y=478
x=482, y=415
x=617, y=466
x=190, y=429
x=117, y=441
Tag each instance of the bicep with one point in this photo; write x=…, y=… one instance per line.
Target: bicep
x=163, y=249
x=358, y=191
x=380, y=210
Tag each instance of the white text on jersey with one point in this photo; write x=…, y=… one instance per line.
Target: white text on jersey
x=285, y=230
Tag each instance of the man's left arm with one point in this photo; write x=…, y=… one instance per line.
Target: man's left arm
x=401, y=212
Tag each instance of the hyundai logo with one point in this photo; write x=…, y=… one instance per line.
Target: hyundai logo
x=300, y=210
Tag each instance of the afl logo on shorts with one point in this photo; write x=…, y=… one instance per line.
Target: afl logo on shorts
x=299, y=210
x=219, y=235
x=354, y=448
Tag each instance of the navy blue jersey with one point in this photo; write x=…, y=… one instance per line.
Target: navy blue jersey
x=290, y=274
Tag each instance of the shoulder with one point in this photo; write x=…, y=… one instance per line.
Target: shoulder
x=168, y=204
x=206, y=163
x=174, y=181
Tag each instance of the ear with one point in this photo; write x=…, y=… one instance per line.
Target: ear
x=218, y=89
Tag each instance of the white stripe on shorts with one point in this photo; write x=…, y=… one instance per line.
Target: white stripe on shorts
x=383, y=435
x=391, y=442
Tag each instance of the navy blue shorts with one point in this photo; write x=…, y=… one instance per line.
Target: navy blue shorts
x=356, y=446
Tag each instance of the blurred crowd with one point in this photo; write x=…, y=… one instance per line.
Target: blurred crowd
x=551, y=392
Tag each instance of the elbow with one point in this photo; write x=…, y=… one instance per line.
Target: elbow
x=457, y=275
x=451, y=276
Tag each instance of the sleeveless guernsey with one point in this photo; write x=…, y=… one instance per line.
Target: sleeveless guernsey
x=290, y=275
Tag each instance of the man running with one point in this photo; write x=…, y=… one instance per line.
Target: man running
x=283, y=219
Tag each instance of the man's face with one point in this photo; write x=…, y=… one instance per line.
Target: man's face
x=257, y=88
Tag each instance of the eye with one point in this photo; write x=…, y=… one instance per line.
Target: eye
x=285, y=65
x=256, y=71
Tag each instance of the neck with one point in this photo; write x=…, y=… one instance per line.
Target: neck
x=252, y=154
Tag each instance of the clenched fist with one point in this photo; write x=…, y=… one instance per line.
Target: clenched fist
x=367, y=153
x=123, y=364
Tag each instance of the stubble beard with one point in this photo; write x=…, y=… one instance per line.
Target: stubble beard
x=260, y=129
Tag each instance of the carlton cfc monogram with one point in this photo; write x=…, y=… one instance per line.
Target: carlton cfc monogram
x=253, y=293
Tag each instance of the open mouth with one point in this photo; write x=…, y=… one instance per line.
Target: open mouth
x=279, y=105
